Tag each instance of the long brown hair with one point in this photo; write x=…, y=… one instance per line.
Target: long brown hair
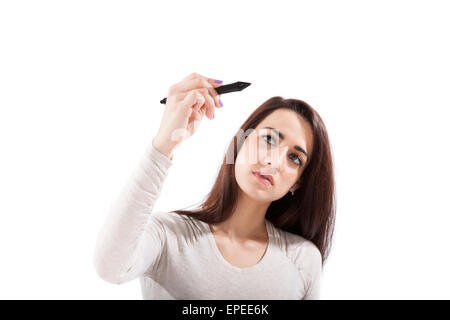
x=310, y=212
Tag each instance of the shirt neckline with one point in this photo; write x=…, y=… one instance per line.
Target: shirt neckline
x=228, y=265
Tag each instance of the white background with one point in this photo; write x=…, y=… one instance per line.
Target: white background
x=80, y=84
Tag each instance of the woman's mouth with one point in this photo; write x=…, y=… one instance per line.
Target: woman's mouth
x=262, y=179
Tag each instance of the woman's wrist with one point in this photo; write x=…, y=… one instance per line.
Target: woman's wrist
x=163, y=147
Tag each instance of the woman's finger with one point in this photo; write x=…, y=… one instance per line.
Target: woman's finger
x=194, y=75
x=200, y=100
x=209, y=101
x=196, y=81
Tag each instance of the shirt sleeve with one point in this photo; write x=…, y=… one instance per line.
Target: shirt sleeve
x=310, y=261
x=132, y=237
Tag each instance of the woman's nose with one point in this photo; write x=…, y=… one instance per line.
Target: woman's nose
x=275, y=158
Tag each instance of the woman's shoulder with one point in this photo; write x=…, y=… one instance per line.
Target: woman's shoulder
x=296, y=247
x=177, y=224
x=170, y=218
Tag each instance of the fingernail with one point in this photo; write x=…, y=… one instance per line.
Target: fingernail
x=218, y=81
x=214, y=115
x=221, y=104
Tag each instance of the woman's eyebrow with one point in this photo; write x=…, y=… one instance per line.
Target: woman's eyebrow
x=281, y=136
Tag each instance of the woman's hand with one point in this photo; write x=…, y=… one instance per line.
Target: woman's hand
x=187, y=103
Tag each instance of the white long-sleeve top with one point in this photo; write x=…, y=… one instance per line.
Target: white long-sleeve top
x=176, y=256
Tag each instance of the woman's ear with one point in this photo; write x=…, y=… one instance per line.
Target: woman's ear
x=298, y=184
x=295, y=187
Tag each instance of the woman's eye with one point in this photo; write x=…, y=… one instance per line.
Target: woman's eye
x=268, y=135
x=300, y=163
x=298, y=160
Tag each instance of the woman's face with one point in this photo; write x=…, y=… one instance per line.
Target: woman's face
x=271, y=154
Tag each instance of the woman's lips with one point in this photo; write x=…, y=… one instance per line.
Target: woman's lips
x=261, y=179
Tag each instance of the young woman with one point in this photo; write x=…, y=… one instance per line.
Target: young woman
x=263, y=232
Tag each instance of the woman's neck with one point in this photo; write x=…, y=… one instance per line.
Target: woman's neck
x=247, y=222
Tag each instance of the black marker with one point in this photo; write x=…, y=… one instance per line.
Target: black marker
x=226, y=88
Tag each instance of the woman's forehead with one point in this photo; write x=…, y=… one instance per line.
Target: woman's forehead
x=281, y=118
